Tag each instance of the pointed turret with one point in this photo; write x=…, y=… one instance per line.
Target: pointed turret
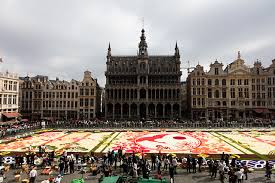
x=142, y=45
x=177, y=52
x=109, y=54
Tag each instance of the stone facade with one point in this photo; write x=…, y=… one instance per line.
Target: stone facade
x=42, y=98
x=236, y=92
x=9, y=93
x=143, y=86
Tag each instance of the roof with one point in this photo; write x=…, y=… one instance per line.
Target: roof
x=153, y=58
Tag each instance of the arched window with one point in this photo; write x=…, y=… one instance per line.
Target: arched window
x=216, y=82
x=209, y=82
x=223, y=82
x=217, y=94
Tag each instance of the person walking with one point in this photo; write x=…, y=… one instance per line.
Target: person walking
x=172, y=173
x=33, y=175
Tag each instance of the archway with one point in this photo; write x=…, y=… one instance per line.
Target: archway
x=125, y=110
x=159, y=111
x=142, y=111
x=168, y=110
x=117, y=110
x=133, y=110
x=151, y=110
x=176, y=110
x=109, y=109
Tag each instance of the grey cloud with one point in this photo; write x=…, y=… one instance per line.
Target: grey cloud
x=64, y=38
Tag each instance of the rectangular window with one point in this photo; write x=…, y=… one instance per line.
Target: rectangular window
x=92, y=102
x=246, y=93
x=87, y=92
x=232, y=92
x=216, y=71
x=240, y=92
x=9, y=99
x=0, y=99
x=15, y=86
x=5, y=84
x=202, y=91
x=86, y=102
x=223, y=93
x=233, y=103
x=269, y=92
x=246, y=82
x=209, y=93
x=198, y=82
x=194, y=91
x=92, y=92
x=194, y=82
x=194, y=101
x=81, y=102
x=232, y=81
x=81, y=92
x=64, y=95
x=239, y=82
x=10, y=85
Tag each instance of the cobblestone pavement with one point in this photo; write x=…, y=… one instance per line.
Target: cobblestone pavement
x=181, y=177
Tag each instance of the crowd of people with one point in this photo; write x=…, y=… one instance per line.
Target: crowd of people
x=132, y=165
x=20, y=127
x=176, y=124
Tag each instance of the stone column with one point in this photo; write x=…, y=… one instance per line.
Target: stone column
x=121, y=111
x=155, y=111
x=129, y=111
x=146, y=111
x=172, y=112
x=138, y=115
x=163, y=110
x=113, y=111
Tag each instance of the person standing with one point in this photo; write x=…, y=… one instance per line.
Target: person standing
x=188, y=163
x=239, y=175
x=200, y=159
x=194, y=165
x=175, y=164
x=71, y=165
x=214, y=169
x=33, y=175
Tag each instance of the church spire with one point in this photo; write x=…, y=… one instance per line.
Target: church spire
x=109, y=51
x=177, y=52
x=142, y=45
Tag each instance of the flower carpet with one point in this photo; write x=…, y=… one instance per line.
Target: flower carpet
x=254, y=143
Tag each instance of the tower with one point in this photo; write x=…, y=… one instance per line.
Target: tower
x=142, y=45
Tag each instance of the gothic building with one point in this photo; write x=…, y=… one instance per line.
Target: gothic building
x=143, y=86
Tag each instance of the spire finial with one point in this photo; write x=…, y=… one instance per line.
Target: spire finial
x=239, y=54
x=109, y=51
x=177, y=52
x=109, y=47
x=142, y=44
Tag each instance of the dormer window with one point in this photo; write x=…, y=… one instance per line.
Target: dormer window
x=216, y=71
x=258, y=71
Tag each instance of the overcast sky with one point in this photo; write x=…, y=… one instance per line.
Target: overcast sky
x=63, y=38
